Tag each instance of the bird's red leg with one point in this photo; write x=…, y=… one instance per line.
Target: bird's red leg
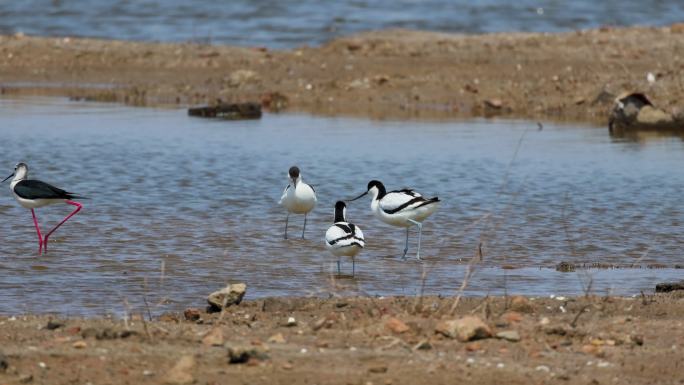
x=40, y=237
x=78, y=208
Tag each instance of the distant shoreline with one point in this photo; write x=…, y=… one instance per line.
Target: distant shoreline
x=394, y=74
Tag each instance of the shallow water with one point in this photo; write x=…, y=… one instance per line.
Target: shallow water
x=291, y=23
x=179, y=206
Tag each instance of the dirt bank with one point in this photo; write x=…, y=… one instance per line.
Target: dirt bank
x=388, y=74
x=595, y=340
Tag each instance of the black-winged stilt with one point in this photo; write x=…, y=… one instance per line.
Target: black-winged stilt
x=401, y=208
x=298, y=197
x=32, y=194
x=344, y=238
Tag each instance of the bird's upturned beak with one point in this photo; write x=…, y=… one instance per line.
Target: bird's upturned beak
x=350, y=200
x=11, y=175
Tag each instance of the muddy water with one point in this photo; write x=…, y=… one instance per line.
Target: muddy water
x=179, y=206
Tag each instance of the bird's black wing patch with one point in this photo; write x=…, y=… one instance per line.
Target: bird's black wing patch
x=35, y=189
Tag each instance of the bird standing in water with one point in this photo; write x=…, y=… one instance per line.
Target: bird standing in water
x=344, y=238
x=401, y=208
x=298, y=197
x=32, y=194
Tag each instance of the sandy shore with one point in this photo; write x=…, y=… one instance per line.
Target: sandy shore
x=595, y=340
x=388, y=74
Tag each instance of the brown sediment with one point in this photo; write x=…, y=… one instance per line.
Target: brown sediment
x=399, y=340
x=387, y=74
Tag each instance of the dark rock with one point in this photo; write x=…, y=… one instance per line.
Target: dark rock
x=635, y=112
x=192, y=314
x=242, y=354
x=667, y=287
x=53, y=324
x=4, y=363
x=565, y=267
x=232, y=111
x=107, y=333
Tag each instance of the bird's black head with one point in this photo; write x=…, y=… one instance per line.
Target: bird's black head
x=340, y=212
x=378, y=185
x=294, y=172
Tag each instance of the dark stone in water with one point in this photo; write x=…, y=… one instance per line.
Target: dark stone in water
x=229, y=111
x=565, y=267
x=52, y=325
x=667, y=287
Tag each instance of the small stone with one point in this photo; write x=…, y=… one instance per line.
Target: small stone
x=26, y=378
x=242, y=354
x=287, y=366
x=291, y=321
x=465, y=329
x=396, y=325
x=230, y=295
x=521, y=305
x=148, y=373
x=42, y=365
x=4, y=363
x=53, y=324
x=276, y=339
x=473, y=347
x=79, y=345
x=493, y=103
x=511, y=317
x=542, y=368
x=192, y=314
x=214, y=337
x=182, y=372
x=422, y=345
x=509, y=335
x=378, y=369
x=240, y=77
x=544, y=321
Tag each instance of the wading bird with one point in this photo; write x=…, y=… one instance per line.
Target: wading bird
x=32, y=194
x=401, y=208
x=298, y=197
x=344, y=238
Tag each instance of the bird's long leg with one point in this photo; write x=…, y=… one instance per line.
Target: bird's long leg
x=406, y=245
x=353, y=267
x=420, y=233
x=40, y=237
x=287, y=219
x=304, y=228
x=78, y=208
x=338, y=268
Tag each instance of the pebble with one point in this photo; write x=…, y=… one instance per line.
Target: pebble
x=396, y=325
x=244, y=354
x=465, y=329
x=42, y=365
x=291, y=321
x=378, y=369
x=229, y=295
x=79, y=345
x=542, y=368
x=276, y=339
x=509, y=335
x=192, y=314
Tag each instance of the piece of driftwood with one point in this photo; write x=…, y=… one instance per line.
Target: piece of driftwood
x=229, y=111
x=667, y=287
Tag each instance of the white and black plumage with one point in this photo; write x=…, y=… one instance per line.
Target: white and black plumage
x=344, y=238
x=32, y=194
x=298, y=197
x=401, y=208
